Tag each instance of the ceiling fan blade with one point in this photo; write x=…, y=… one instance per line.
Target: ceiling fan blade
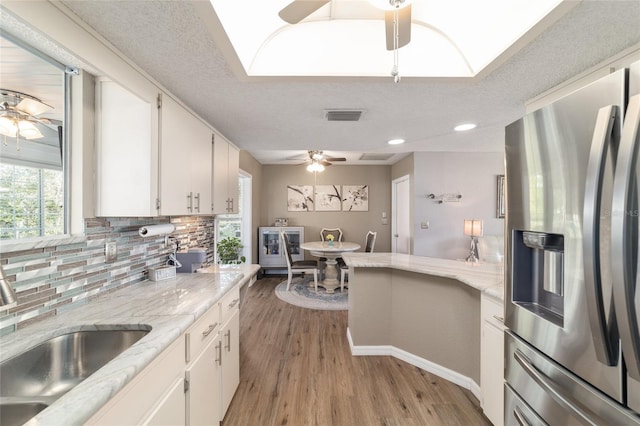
x=297, y=10
x=404, y=27
x=325, y=163
x=336, y=159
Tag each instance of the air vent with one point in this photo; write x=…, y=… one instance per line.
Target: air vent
x=376, y=157
x=343, y=114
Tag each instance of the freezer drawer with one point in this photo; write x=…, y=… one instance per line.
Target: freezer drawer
x=517, y=412
x=555, y=394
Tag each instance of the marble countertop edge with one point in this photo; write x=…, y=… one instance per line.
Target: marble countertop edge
x=485, y=277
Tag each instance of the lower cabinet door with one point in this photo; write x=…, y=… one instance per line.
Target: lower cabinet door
x=170, y=410
x=203, y=395
x=230, y=335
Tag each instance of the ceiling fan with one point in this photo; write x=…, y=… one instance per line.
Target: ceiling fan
x=397, y=17
x=318, y=161
x=19, y=115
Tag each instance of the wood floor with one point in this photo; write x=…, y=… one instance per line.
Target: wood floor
x=296, y=369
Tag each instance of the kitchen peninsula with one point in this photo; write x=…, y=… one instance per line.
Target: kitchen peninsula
x=138, y=383
x=422, y=310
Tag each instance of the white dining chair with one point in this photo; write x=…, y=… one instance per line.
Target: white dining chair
x=298, y=266
x=370, y=242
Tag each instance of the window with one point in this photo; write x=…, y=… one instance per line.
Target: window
x=238, y=225
x=31, y=202
x=33, y=173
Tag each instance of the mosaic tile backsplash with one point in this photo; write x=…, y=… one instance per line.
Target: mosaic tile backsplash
x=51, y=280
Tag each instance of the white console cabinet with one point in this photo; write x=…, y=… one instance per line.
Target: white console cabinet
x=270, y=253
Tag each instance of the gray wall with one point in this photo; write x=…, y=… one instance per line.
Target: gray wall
x=354, y=225
x=471, y=174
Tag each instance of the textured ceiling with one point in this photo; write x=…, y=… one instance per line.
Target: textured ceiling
x=276, y=119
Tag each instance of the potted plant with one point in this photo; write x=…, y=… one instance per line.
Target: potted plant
x=229, y=251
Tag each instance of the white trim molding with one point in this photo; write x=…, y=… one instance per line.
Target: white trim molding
x=431, y=367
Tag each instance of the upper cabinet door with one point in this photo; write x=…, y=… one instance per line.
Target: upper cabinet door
x=185, y=161
x=126, y=152
x=225, y=177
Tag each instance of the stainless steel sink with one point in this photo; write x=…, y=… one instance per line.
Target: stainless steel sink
x=32, y=380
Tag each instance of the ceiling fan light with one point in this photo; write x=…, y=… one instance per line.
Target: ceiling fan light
x=28, y=130
x=8, y=127
x=315, y=167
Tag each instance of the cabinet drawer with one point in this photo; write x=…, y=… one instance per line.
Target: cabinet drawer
x=201, y=332
x=492, y=311
x=229, y=303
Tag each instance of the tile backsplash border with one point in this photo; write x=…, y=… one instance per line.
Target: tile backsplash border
x=53, y=279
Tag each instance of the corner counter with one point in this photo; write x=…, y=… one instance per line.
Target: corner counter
x=422, y=310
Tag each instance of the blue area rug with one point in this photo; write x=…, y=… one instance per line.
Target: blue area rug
x=303, y=294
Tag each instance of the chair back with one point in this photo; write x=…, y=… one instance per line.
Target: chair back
x=285, y=248
x=337, y=233
x=370, y=241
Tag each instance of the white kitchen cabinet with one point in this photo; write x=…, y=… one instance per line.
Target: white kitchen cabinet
x=204, y=375
x=492, y=360
x=230, y=335
x=126, y=152
x=226, y=163
x=230, y=350
x=150, y=394
x=170, y=410
x=185, y=161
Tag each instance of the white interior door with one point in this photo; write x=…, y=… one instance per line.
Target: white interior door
x=401, y=216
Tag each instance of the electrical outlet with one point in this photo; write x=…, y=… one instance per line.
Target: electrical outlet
x=111, y=251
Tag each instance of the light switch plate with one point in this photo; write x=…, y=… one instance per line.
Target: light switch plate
x=111, y=251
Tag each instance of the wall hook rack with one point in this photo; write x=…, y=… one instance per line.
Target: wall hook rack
x=445, y=198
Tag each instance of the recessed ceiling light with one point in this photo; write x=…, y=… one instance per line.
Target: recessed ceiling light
x=464, y=127
x=395, y=141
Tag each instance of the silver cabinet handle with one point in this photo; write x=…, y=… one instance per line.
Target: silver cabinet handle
x=499, y=319
x=219, y=353
x=233, y=303
x=190, y=201
x=622, y=240
x=606, y=125
x=555, y=391
x=228, y=336
x=197, y=197
x=520, y=417
x=210, y=329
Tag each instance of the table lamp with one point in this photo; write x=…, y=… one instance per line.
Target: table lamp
x=473, y=229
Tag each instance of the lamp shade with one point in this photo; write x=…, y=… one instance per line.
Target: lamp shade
x=473, y=227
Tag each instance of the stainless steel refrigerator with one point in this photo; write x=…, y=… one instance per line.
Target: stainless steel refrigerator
x=572, y=288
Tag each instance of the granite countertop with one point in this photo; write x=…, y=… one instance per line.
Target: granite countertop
x=168, y=307
x=486, y=277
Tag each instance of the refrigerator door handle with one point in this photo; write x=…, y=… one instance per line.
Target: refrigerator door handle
x=622, y=238
x=605, y=344
x=555, y=392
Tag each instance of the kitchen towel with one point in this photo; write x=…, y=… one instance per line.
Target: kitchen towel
x=151, y=230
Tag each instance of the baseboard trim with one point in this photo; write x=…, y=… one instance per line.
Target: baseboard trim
x=425, y=364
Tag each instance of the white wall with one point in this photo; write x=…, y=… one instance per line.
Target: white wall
x=471, y=174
